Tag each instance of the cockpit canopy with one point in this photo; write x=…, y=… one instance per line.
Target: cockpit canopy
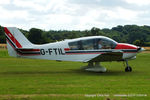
x=93, y=44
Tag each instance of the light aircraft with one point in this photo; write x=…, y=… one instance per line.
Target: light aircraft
x=92, y=49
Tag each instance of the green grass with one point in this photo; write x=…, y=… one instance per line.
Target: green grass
x=30, y=79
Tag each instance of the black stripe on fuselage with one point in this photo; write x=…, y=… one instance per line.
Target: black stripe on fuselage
x=130, y=50
x=14, y=46
x=28, y=52
x=99, y=51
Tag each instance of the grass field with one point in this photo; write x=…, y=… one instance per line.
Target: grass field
x=30, y=79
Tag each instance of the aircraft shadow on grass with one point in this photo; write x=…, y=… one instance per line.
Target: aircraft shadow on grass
x=108, y=73
x=69, y=72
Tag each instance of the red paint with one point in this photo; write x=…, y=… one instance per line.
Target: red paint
x=66, y=49
x=12, y=38
x=81, y=53
x=125, y=46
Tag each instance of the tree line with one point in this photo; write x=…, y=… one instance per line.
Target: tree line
x=133, y=34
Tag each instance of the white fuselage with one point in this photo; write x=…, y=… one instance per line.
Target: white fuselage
x=57, y=51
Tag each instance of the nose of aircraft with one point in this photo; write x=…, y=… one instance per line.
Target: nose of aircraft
x=140, y=49
x=129, y=46
x=125, y=46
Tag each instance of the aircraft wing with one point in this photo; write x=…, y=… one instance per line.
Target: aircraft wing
x=108, y=56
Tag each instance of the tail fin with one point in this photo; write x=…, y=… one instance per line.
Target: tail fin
x=15, y=40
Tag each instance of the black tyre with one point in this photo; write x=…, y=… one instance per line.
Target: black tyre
x=128, y=69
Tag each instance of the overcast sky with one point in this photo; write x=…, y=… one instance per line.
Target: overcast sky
x=73, y=14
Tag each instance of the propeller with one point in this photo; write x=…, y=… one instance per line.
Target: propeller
x=140, y=49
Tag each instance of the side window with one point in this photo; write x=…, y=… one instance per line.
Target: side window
x=105, y=44
x=77, y=45
x=82, y=45
x=88, y=44
x=93, y=44
x=74, y=45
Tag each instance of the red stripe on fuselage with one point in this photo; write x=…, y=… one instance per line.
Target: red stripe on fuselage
x=12, y=38
x=125, y=46
x=81, y=53
x=66, y=49
x=91, y=53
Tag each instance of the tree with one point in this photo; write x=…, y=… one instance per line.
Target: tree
x=139, y=35
x=137, y=42
x=95, y=31
x=35, y=36
x=2, y=35
x=119, y=28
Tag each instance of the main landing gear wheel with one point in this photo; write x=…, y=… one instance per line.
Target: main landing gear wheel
x=128, y=68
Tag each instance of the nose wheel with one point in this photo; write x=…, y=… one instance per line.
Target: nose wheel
x=128, y=68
